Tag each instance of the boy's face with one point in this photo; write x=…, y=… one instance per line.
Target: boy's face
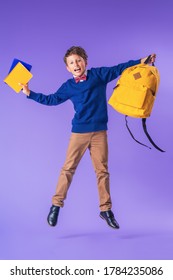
x=76, y=65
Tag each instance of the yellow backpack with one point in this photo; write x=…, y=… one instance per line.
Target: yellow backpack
x=135, y=93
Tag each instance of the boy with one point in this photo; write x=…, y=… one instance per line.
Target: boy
x=87, y=91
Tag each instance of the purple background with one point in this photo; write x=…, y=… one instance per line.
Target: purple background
x=34, y=138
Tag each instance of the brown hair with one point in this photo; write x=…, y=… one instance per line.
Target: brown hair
x=76, y=50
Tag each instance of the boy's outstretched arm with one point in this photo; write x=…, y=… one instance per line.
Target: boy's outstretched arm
x=60, y=96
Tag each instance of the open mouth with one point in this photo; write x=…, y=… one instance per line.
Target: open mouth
x=77, y=70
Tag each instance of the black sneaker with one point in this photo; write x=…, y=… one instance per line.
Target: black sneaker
x=108, y=216
x=53, y=215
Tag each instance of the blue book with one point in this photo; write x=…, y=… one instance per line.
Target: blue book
x=14, y=63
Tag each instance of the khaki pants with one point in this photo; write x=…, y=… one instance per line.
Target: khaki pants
x=96, y=142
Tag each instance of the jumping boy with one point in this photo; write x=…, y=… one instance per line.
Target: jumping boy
x=87, y=91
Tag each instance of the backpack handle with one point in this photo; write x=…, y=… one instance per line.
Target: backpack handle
x=148, y=60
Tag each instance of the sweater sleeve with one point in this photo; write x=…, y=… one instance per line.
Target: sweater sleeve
x=107, y=74
x=56, y=98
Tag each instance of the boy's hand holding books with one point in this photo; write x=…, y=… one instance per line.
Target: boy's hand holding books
x=25, y=89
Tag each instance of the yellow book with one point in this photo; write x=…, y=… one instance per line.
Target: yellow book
x=19, y=74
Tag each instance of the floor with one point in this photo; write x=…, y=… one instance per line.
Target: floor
x=86, y=244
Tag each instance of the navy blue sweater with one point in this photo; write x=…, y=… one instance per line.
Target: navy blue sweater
x=88, y=97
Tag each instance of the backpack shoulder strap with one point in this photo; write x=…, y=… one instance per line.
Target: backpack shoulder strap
x=133, y=135
x=148, y=136
x=146, y=133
